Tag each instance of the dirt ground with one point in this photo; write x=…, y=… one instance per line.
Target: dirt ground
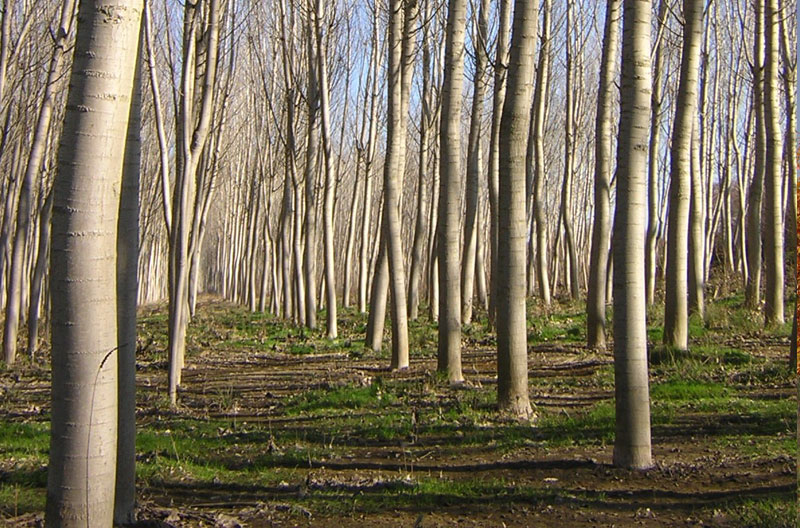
x=693, y=477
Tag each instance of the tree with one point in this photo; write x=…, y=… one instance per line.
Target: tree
x=498, y=97
x=127, y=289
x=756, y=190
x=32, y=169
x=474, y=163
x=191, y=138
x=596, y=302
x=676, y=314
x=512, y=342
x=538, y=176
x=81, y=473
x=773, y=177
x=632, y=399
x=450, y=191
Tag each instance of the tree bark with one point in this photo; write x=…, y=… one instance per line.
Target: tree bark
x=676, y=313
x=773, y=308
x=632, y=401
x=596, y=302
x=512, y=343
x=450, y=191
x=80, y=488
x=474, y=163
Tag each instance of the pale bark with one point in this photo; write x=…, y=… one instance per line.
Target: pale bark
x=655, y=149
x=32, y=169
x=500, y=64
x=392, y=181
x=537, y=137
x=571, y=253
x=596, y=301
x=773, y=178
x=512, y=344
x=676, y=312
x=80, y=488
x=450, y=191
x=755, y=193
x=632, y=401
x=426, y=120
x=474, y=163
x=127, y=287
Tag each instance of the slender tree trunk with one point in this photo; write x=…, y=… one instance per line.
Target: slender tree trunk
x=632, y=399
x=773, y=239
x=80, y=488
x=596, y=303
x=676, y=313
x=450, y=191
x=500, y=65
x=755, y=193
x=512, y=343
x=310, y=178
x=45, y=215
x=539, y=111
x=330, y=176
x=392, y=178
x=474, y=163
x=696, y=227
x=569, y=156
x=655, y=149
x=32, y=169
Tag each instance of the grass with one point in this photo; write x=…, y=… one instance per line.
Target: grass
x=722, y=390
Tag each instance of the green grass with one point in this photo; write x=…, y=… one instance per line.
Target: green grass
x=717, y=390
x=766, y=513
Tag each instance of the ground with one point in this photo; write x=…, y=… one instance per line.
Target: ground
x=280, y=427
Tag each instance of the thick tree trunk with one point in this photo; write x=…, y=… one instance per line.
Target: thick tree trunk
x=80, y=488
x=512, y=343
x=127, y=287
x=632, y=398
x=596, y=302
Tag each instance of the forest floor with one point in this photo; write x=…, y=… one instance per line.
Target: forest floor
x=280, y=427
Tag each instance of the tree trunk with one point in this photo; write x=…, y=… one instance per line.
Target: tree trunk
x=596, y=302
x=655, y=150
x=450, y=191
x=539, y=111
x=393, y=178
x=330, y=176
x=676, y=314
x=45, y=214
x=32, y=169
x=500, y=64
x=127, y=287
x=754, y=199
x=512, y=343
x=80, y=488
x=569, y=156
x=773, y=238
x=632, y=442
x=474, y=163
